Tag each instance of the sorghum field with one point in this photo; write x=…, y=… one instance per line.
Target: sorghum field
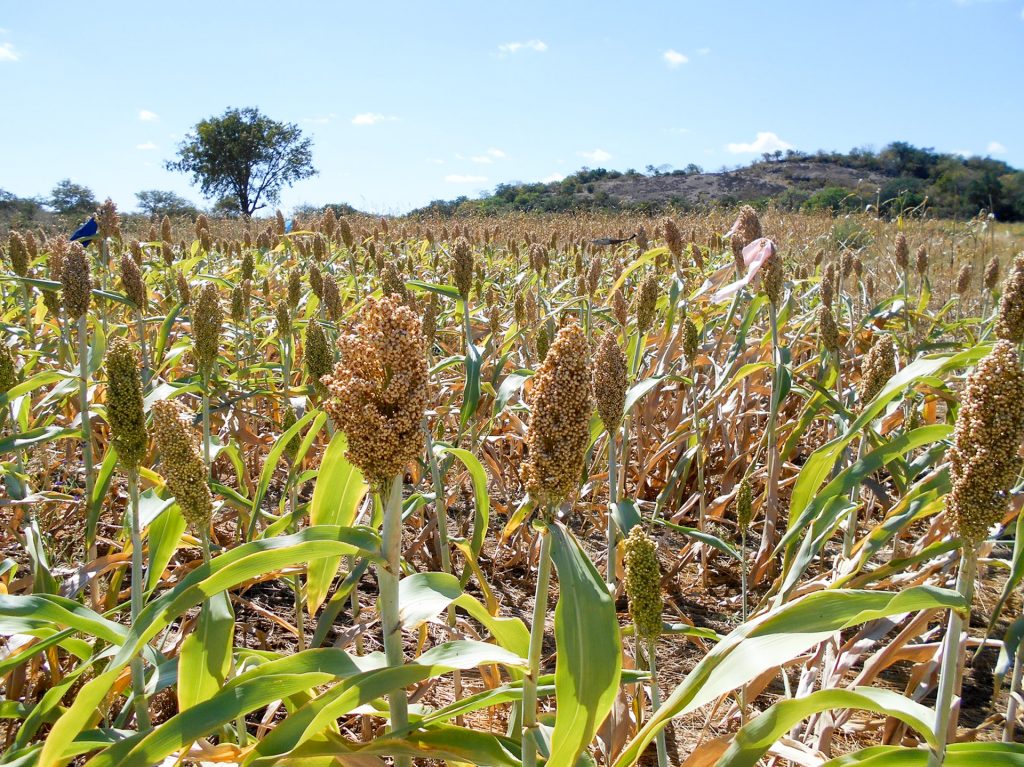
x=730, y=489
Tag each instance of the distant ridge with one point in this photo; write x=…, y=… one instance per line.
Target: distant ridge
x=898, y=177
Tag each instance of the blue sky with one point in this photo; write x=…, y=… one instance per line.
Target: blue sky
x=414, y=101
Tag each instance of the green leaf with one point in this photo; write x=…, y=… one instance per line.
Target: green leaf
x=589, y=649
x=270, y=466
x=339, y=490
x=226, y=571
x=776, y=637
x=819, y=465
x=638, y=390
x=513, y=382
x=481, y=499
x=758, y=736
x=322, y=712
x=164, y=536
x=205, y=660
x=957, y=755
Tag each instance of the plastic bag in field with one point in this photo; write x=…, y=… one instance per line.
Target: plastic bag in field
x=86, y=233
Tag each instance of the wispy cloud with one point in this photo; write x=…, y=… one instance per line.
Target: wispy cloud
x=488, y=157
x=595, y=155
x=537, y=46
x=146, y=147
x=674, y=58
x=552, y=178
x=323, y=120
x=703, y=51
x=766, y=141
x=372, y=118
x=994, y=147
x=459, y=178
x=7, y=52
x=148, y=117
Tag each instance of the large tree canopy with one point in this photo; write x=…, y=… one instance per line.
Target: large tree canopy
x=69, y=198
x=247, y=155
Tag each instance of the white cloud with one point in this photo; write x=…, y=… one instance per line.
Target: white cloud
x=766, y=141
x=962, y=152
x=7, y=52
x=703, y=51
x=674, y=58
x=458, y=178
x=497, y=154
x=596, y=155
x=994, y=147
x=482, y=159
x=552, y=178
x=146, y=147
x=148, y=117
x=372, y=118
x=537, y=46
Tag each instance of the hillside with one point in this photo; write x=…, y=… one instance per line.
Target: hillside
x=896, y=178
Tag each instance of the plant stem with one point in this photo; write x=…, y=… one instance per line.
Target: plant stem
x=613, y=498
x=701, y=503
x=1009, y=729
x=949, y=678
x=206, y=422
x=141, y=325
x=83, y=408
x=387, y=579
x=293, y=504
x=530, y=729
x=28, y=312
x=652, y=665
x=137, y=585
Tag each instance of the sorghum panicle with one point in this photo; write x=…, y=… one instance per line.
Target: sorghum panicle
x=610, y=381
x=379, y=389
x=1010, y=323
x=178, y=443
x=76, y=283
x=646, y=303
x=984, y=462
x=125, y=412
x=134, y=285
x=878, y=367
x=561, y=404
x=643, y=583
x=207, y=321
x=992, y=274
x=902, y=251
x=462, y=267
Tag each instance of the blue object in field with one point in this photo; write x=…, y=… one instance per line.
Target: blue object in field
x=86, y=233
x=288, y=226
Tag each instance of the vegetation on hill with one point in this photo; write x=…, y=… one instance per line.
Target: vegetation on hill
x=898, y=177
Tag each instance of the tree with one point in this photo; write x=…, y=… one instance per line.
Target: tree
x=157, y=204
x=245, y=154
x=69, y=198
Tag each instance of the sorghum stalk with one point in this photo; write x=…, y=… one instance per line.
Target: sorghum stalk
x=83, y=407
x=652, y=664
x=950, y=671
x=387, y=577
x=1013, y=702
x=531, y=731
x=137, y=586
x=984, y=464
x=610, y=383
